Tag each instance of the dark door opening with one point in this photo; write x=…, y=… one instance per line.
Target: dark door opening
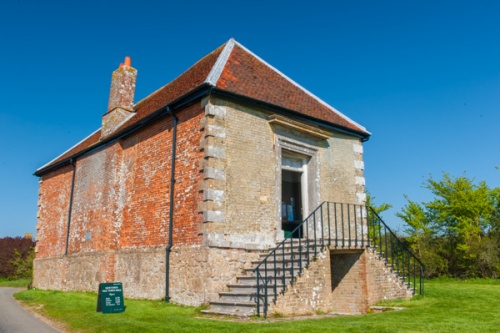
x=291, y=202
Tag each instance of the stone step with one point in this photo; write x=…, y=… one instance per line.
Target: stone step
x=278, y=270
x=281, y=263
x=288, y=255
x=252, y=288
x=287, y=246
x=237, y=296
x=233, y=308
x=251, y=280
x=224, y=313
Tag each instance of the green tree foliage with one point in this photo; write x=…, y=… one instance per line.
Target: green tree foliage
x=16, y=257
x=374, y=227
x=23, y=264
x=370, y=202
x=457, y=233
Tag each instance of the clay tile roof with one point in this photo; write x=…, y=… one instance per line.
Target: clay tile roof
x=234, y=69
x=244, y=73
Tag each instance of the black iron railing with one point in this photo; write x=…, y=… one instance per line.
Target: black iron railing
x=396, y=254
x=336, y=226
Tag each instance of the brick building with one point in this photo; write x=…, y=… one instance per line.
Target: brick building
x=183, y=193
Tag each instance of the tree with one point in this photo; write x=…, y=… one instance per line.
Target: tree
x=457, y=232
x=421, y=238
x=12, y=251
x=370, y=202
x=23, y=264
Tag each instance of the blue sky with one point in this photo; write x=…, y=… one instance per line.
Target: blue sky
x=422, y=76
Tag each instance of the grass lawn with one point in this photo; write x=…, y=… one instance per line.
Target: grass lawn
x=14, y=283
x=449, y=306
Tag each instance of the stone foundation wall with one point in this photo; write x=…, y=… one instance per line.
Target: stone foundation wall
x=200, y=273
x=197, y=273
x=81, y=272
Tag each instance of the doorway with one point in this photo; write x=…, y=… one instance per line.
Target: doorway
x=293, y=193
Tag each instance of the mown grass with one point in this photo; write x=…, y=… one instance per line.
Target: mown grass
x=22, y=283
x=449, y=306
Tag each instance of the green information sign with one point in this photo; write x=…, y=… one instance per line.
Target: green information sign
x=110, y=298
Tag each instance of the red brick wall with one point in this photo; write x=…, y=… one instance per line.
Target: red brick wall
x=121, y=196
x=148, y=158
x=349, y=288
x=94, y=201
x=53, y=205
x=187, y=174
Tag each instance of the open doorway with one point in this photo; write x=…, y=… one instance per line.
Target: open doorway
x=293, y=193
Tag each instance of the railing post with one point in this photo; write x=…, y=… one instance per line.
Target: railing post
x=275, y=284
x=329, y=227
x=291, y=262
x=386, y=252
x=368, y=223
x=355, y=227
x=257, y=273
x=361, y=207
x=392, y=251
x=300, y=255
x=336, y=228
x=322, y=228
x=266, y=301
x=314, y=244
x=349, y=223
x=283, y=270
x=342, y=217
x=265, y=278
x=379, y=236
x=307, y=240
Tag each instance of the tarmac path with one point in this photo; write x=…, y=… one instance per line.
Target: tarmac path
x=15, y=319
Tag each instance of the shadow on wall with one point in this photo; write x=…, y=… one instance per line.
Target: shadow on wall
x=341, y=266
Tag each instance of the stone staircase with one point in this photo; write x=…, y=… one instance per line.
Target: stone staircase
x=240, y=298
x=349, y=232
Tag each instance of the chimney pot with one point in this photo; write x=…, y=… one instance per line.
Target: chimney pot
x=128, y=62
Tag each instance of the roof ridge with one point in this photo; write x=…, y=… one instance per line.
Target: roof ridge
x=340, y=114
x=219, y=65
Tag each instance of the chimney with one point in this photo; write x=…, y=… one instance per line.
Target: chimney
x=121, y=98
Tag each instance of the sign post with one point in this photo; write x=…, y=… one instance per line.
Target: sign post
x=110, y=298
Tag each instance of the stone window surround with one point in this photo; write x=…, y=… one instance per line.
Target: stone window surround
x=288, y=144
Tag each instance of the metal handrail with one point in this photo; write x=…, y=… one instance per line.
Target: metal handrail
x=355, y=227
x=396, y=253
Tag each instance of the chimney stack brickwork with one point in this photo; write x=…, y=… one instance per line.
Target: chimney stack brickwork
x=121, y=99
